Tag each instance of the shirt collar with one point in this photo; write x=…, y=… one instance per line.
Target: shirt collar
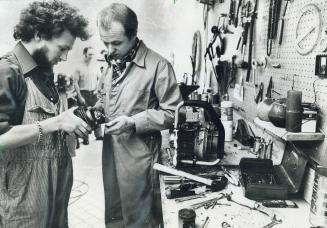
x=140, y=55
x=24, y=58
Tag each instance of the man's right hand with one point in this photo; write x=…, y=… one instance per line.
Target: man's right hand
x=82, y=101
x=70, y=123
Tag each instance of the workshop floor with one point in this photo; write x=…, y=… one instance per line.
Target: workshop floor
x=86, y=206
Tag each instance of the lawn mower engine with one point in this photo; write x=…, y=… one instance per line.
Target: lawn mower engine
x=200, y=138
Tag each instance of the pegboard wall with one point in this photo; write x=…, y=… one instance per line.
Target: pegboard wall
x=296, y=70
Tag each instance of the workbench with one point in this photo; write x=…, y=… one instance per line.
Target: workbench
x=236, y=215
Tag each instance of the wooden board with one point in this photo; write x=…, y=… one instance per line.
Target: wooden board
x=288, y=136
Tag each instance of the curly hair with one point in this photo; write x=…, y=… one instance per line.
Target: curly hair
x=49, y=19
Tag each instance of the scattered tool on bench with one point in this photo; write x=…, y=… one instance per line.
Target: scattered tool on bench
x=230, y=177
x=272, y=223
x=209, y=203
x=205, y=222
x=183, y=199
x=215, y=185
x=258, y=207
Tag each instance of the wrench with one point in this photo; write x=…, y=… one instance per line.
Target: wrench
x=272, y=223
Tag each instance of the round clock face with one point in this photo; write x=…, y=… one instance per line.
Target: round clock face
x=308, y=29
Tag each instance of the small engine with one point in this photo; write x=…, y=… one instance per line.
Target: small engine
x=91, y=116
x=200, y=138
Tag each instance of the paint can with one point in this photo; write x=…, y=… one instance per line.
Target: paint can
x=186, y=218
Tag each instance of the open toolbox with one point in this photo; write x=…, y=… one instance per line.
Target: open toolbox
x=261, y=180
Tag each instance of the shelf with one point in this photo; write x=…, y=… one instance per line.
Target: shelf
x=288, y=136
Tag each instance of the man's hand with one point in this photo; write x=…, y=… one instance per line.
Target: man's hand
x=119, y=125
x=81, y=100
x=70, y=123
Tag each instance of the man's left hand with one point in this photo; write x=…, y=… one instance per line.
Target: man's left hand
x=119, y=125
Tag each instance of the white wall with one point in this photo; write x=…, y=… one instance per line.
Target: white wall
x=167, y=26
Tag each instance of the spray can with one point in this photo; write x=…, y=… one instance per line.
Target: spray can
x=227, y=119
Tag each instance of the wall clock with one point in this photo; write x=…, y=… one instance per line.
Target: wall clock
x=308, y=29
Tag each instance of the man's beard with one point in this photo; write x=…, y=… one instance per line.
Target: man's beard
x=41, y=58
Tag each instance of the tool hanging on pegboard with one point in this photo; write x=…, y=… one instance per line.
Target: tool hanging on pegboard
x=209, y=50
x=244, y=37
x=231, y=12
x=269, y=88
x=274, y=12
x=233, y=70
x=282, y=24
x=259, y=95
x=237, y=12
x=224, y=25
x=253, y=17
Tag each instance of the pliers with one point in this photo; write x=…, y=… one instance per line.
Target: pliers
x=260, y=93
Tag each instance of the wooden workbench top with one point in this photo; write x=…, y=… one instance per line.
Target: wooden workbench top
x=235, y=215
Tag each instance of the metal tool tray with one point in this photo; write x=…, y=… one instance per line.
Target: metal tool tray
x=262, y=180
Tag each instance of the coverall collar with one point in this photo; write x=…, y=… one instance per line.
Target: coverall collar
x=140, y=55
x=24, y=58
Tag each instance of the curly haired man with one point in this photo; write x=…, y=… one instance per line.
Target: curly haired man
x=35, y=164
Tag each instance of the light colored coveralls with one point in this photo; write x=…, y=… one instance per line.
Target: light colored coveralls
x=148, y=92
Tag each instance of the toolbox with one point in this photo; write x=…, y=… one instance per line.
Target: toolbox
x=261, y=180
